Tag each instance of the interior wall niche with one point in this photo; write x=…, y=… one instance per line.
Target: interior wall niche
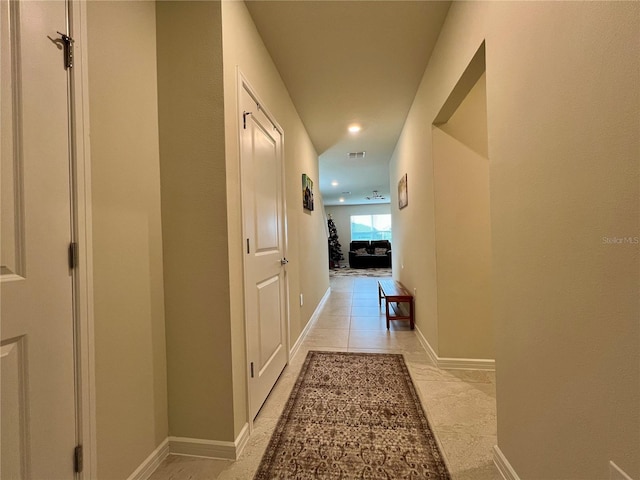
x=462, y=217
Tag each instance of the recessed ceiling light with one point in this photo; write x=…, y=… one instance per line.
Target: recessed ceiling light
x=341, y=200
x=334, y=184
x=355, y=128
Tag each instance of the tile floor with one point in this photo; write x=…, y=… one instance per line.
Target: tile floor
x=460, y=405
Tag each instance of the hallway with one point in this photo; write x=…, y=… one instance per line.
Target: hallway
x=460, y=405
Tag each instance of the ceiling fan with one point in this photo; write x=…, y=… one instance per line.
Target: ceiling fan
x=375, y=196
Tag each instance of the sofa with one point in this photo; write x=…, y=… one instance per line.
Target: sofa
x=370, y=254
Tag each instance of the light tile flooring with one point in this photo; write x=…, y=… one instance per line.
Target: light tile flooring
x=459, y=404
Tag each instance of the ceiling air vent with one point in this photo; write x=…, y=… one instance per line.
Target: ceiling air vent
x=356, y=154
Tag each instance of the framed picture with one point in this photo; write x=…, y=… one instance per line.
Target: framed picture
x=403, y=199
x=307, y=192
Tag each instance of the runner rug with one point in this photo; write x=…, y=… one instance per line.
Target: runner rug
x=360, y=272
x=353, y=416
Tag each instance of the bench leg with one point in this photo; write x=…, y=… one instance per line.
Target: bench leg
x=411, y=319
x=386, y=303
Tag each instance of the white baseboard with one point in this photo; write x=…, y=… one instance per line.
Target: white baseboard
x=447, y=363
x=310, y=323
x=616, y=473
x=241, y=440
x=433, y=356
x=151, y=463
x=466, y=363
x=197, y=447
x=508, y=473
x=503, y=465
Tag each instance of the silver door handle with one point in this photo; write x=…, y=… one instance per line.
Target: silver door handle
x=284, y=261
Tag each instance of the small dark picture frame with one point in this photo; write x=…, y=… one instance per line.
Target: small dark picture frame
x=307, y=192
x=403, y=198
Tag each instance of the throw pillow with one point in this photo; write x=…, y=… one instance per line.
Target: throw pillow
x=361, y=251
x=381, y=251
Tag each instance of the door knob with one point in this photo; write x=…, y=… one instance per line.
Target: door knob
x=284, y=261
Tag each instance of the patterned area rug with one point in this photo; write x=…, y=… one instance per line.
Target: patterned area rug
x=360, y=272
x=353, y=416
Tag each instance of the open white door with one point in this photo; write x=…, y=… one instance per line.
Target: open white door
x=263, y=221
x=38, y=411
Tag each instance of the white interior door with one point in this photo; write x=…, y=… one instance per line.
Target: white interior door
x=38, y=415
x=263, y=218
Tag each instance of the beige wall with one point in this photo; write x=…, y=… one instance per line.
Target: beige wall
x=564, y=171
x=463, y=249
x=307, y=271
x=130, y=362
x=194, y=218
x=341, y=215
x=563, y=123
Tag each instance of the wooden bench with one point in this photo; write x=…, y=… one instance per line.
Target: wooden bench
x=394, y=292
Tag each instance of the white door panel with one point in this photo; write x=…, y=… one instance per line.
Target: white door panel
x=12, y=433
x=269, y=314
x=263, y=228
x=36, y=305
x=267, y=196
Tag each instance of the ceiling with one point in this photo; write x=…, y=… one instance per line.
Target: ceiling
x=351, y=62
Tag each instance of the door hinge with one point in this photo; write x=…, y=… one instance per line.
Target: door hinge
x=251, y=369
x=73, y=255
x=248, y=249
x=244, y=119
x=77, y=459
x=68, y=50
